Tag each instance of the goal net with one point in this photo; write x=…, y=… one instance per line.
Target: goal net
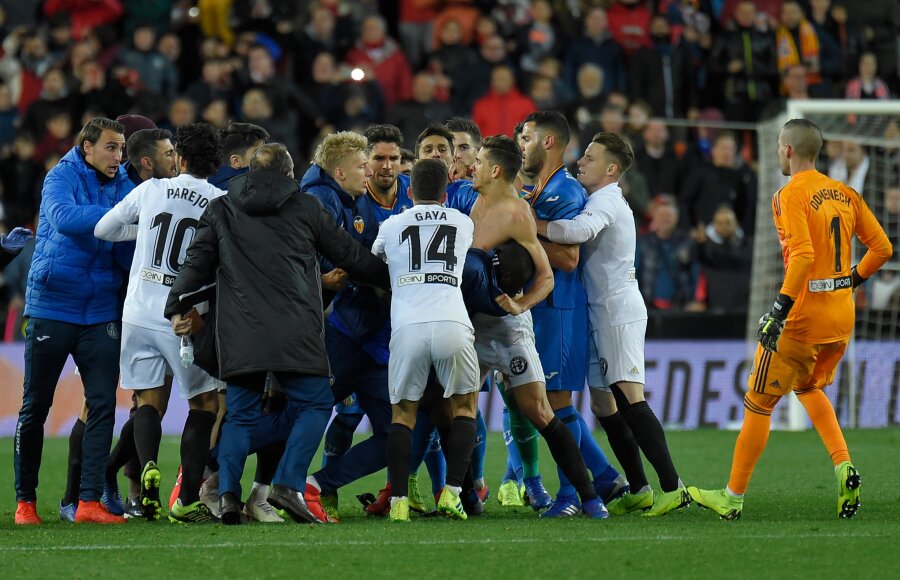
x=862, y=149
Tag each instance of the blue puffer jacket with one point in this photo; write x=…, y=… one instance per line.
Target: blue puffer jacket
x=75, y=277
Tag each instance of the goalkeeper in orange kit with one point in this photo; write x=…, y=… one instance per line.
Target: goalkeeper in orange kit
x=802, y=339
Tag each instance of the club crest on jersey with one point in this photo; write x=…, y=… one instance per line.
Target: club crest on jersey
x=518, y=365
x=604, y=366
x=359, y=224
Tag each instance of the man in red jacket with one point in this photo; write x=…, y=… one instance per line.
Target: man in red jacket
x=498, y=111
x=381, y=56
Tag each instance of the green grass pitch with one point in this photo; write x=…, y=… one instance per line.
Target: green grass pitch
x=789, y=529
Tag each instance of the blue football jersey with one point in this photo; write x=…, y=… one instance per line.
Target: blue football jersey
x=461, y=196
x=561, y=197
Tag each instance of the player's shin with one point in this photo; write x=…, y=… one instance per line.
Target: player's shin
x=399, y=444
x=194, y=449
x=524, y=434
x=752, y=439
x=460, y=442
x=147, y=433
x=73, y=470
x=565, y=452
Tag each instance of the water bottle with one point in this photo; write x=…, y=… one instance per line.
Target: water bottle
x=187, y=351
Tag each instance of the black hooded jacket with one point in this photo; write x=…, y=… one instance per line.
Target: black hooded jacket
x=259, y=245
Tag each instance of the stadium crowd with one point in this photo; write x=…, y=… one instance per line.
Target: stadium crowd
x=304, y=69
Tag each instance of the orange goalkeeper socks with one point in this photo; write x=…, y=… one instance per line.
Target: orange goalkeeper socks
x=750, y=444
x=821, y=413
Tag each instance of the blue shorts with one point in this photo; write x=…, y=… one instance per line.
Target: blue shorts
x=562, y=339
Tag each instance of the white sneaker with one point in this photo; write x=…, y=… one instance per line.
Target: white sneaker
x=209, y=493
x=258, y=507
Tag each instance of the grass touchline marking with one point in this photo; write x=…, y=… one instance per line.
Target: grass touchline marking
x=462, y=541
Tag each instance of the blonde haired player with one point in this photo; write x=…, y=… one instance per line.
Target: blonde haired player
x=802, y=339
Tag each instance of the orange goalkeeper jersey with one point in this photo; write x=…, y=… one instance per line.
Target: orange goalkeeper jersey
x=816, y=218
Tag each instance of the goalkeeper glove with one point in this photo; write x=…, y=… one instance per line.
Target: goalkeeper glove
x=855, y=279
x=771, y=325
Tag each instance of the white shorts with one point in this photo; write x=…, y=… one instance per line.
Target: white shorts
x=148, y=355
x=446, y=345
x=617, y=354
x=507, y=344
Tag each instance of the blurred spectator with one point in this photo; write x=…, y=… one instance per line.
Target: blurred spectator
x=35, y=55
x=382, y=56
x=793, y=87
x=292, y=107
x=848, y=38
x=655, y=159
x=596, y=46
x=54, y=97
x=725, y=256
x=420, y=111
x=629, y=22
x=851, y=167
x=867, y=85
x=477, y=79
x=21, y=177
x=542, y=93
x=831, y=56
x=270, y=17
x=798, y=43
x=332, y=87
x=317, y=36
x=56, y=138
x=498, y=111
x=154, y=71
x=879, y=24
x=416, y=20
x=100, y=92
x=86, y=15
x=581, y=113
x=59, y=37
x=9, y=120
x=155, y=13
x=216, y=113
x=214, y=83
x=169, y=46
x=638, y=114
x=660, y=74
x=666, y=264
x=744, y=57
x=182, y=111
x=407, y=158
x=256, y=108
x=722, y=181
x=539, y=38
x=454, y=58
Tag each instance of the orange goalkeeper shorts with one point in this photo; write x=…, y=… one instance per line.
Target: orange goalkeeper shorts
x=797, y=366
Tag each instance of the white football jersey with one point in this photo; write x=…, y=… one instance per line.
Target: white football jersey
x=606, y=228
x=425, y=249
x=167, y=212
